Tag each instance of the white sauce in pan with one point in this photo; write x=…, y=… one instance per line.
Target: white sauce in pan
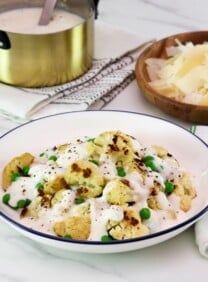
x=25, y=21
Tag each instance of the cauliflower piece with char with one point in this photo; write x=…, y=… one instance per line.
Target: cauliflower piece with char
x=163, y=153
x=52, y=186
x=16, y=165
x=115, y=144
x=183, y=188
x=130, y=227
x=59, y=196
x=86, y=176
x=76, y=227
x=33, y=209
x=118, y=192
x=185, y=191
x=152, y=200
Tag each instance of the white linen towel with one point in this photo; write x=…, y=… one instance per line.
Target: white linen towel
x=201, y=235
x=201, y=227
x=113, y=69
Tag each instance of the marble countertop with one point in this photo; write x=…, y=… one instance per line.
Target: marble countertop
x=177, y=259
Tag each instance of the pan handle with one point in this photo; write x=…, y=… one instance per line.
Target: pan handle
x=4, y=40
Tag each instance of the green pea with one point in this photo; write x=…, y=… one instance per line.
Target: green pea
x=6, y=198
x=15, y=176
x=151, y=165
x=52, y=158
x=23, y=203
x=169, y=187
x=148, y=158
x=67, y=236
x=94, y=162
x=39, y=185
x=20, y=204
x=25, y=170
x=149, y=162
x=106, y=238
x=145, y=213
x=27, y=202
x=79, y=201
x=120, y=171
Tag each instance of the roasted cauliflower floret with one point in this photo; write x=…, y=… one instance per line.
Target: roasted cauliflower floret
x=16, y=165
x=162, y=153
x=58, y=197
x=153, y=203
x=185, y=190
x=118, y=192
x=115, y=144
x=76, y=227
x=33, y=209
x=130, y=227
x=39, y=202
x=83, y=210
x=152, y=200
x=113, y=140
x=55, y=185
x=86, y=176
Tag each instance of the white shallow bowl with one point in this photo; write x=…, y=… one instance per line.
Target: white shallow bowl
x=34, y=136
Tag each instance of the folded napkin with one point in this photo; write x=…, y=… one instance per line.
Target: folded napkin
x=112, y=70
x=201, y=235
x=201, y=227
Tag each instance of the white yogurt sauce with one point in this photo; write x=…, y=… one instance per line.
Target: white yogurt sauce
x=22, y=188
x=59, y=209
x=135, y=181
x=168, y=168
x=154, y=222
x=44, y=172
x=108, y=187
x=25, y=21
x=163, y=201
x=107, y=167
x=72, y=153
x=47, y=217
x=100, y=210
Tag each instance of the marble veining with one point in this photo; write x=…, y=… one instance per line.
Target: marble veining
x=178, y=259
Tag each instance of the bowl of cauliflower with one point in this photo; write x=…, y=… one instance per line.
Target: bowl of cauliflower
x=123, y=183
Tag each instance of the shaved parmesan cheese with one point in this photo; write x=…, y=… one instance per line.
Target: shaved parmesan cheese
x=184, y=75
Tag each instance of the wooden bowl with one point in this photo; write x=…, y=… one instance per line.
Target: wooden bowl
x=184, y=111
